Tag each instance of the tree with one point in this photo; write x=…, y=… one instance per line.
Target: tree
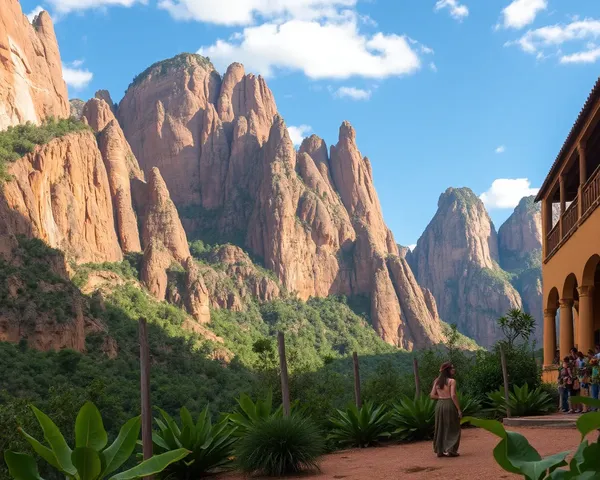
x=516, y=323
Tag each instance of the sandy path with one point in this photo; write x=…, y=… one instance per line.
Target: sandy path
x=418, y=461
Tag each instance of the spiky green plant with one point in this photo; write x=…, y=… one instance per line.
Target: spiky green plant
x=91, y=459
x=280, y=446
x=250, y=413
x=469, y=405
x=210, y=446
x=522, y=402
x=361, y=428
x=413, y=419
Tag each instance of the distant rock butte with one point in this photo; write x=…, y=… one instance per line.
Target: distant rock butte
x=31, y=83
x=313, y=216
x=457, y=259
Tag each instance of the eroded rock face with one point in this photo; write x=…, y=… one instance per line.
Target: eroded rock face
x=157, y=259
x=231, y=168
x=197, y=299
x=457, y=259
x=31, y=83
x=60, y=193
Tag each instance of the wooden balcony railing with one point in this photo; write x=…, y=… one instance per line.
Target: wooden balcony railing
x=570, y=218
x=553, y=238
x=591, y=191
x=590, y=199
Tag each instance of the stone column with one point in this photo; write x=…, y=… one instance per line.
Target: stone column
x=549, y=336
x=586, y=319
x=566, y=327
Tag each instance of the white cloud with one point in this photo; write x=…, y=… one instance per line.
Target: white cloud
x=67, y=6
x=297, y=134
x=246, y=12
x=457, y=10
x=75, y=77
x=34, y=13
x=552, y=39
x=433, y=66
x=353, y=93
x=500, y=149
x=412, y=246
x=586, y=56
x=521, y=13
x=320, y=49
x=507, y=192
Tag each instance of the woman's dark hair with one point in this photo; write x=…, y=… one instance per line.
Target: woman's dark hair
x=580, y=355
x=445, y=374
x=567, y=360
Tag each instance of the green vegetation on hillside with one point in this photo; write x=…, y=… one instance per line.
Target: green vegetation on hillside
x=162, y=67
x=20, y=140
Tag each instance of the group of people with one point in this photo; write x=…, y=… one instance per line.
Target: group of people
x=578, y=375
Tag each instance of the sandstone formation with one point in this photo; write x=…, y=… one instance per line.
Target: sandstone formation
x=457, y=259
x=197, y=299
x=312, y=217
x=31, y=83
x=121, y=166
x=60, y=193
x=76, y=108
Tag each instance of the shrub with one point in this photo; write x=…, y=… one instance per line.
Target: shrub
x=210, y=446
x=515, y=454
x=90, y=459
x=20, y=140
x=470, y=406
x=362, y=427
x=279, y=446
x=414, y=419
x=250, y=414
x=386, y=385
x=522, y=402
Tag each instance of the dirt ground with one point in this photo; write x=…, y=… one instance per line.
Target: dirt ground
x=418, y=461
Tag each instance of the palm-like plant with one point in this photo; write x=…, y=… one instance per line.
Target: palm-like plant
x=362, y=427
x=522, y=402
x=91, y=459
x=249, y=413
x=414, y=419
x=280, y=445
x=470, y=406
x=210, y=446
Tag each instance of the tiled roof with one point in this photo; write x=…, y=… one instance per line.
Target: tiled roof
x=587, y=107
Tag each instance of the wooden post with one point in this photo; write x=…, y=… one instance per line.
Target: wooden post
x=417, y=378
x=145, y=388
x=357, y=396
x=505, y=377
x=285, y=388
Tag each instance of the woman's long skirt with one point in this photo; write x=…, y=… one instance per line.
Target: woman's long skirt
x=446, y=438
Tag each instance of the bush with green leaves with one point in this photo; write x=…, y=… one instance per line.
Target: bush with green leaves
x=516, y=455
x=91, y=459
x=279, y=446
x=210, y=446
x=469, y=405
x=522, y=402
x=413, y=419
x=248, y=413
x=359, y=427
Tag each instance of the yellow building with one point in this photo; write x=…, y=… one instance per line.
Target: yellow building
x=571, y=244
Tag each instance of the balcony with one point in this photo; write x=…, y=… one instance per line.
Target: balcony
x=573, y=216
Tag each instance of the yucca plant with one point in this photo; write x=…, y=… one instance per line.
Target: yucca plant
x=469, y=405
x=210, y=446
x=413, y=419
x=249, y=413
x=90, y=460
x=280, y=446
x=522, y=402
x=361, y=428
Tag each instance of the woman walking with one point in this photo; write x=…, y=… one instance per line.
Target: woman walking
x=446, y=437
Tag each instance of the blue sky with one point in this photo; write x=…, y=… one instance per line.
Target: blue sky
x=441, y=92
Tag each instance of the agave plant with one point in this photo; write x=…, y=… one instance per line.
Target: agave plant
x=522, y=402
x=516, y=455
x=414, y=419
x=210, y=446
x=470, y=406
x=91, y=459
x=279, y=446
x=362, y=427
x=250, y=413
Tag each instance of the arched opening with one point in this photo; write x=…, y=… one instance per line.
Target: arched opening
x=590, y=303
x=552, y=301
x=569, y=306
